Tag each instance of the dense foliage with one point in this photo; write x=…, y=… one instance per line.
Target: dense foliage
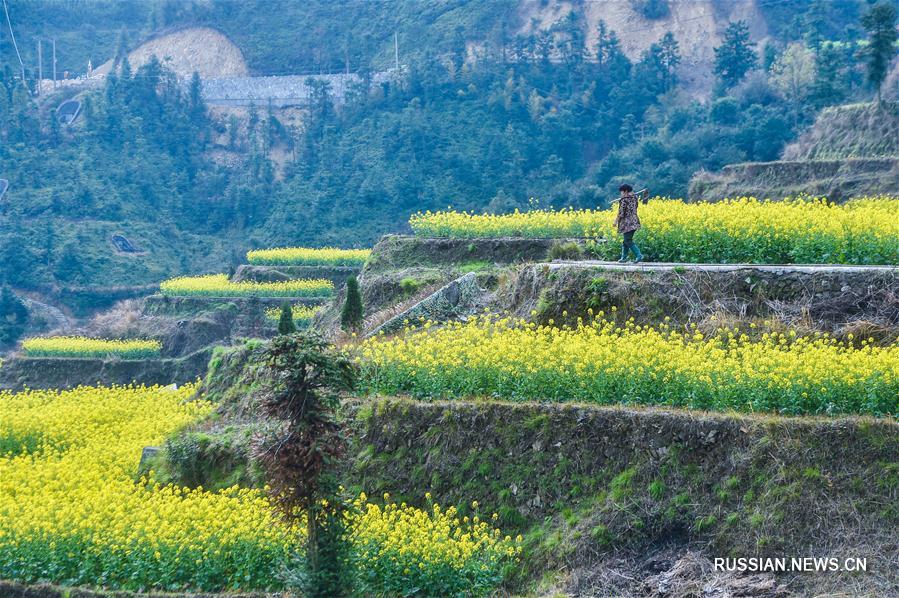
x=601, y=362
x=71, y=511
x=15, y=317
x=82, y=347
x=744, y=230
x=524, y=114
x=218, y=285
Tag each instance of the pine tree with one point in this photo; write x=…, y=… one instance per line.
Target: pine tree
x=669, y=57
x=829, y=88
x=302, y=457
x=736, y=54
x=880, y=23
x=285, y=323
x=351, y=316
x=196, y=106
x=769, y=56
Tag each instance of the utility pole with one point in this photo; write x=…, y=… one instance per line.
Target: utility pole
x=54, y=63
x=396, y=50
x=40, y=66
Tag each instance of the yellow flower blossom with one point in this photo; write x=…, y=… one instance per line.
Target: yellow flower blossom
x=602, y=362
x=218, y=285
x=83, y=347
x=71, y=510
x=306, y=256
x=800, y=230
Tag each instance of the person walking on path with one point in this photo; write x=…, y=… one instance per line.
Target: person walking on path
x=627, y=222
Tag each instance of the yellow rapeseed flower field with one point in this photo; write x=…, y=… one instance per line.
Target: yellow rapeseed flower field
x=83, y=347
x=306, y=256
x=438, y=552
x=218, y=285
x=803, y=230
x=302, y=314
x=71, y=510
x=601, y=362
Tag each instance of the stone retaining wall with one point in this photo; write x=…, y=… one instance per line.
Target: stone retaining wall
x=450, y=301
x=55, y=372
x=394, y=252
x=336, y=274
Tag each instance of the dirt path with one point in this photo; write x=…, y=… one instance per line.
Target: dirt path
x=669, y=266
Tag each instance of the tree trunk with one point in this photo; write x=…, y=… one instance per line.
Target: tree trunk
x=312, y=540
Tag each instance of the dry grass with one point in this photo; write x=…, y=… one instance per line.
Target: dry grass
x=121, y=321
x=382, y=316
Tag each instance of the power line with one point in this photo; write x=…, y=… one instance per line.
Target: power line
x=13, y=36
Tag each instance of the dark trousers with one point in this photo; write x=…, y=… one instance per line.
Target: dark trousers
x=628, y=246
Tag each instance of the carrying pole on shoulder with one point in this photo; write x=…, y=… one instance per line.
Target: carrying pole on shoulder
x=642, y=195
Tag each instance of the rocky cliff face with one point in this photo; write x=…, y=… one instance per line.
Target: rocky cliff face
x=697, y=25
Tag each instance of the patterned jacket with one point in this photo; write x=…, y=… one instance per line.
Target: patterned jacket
x=627, y=220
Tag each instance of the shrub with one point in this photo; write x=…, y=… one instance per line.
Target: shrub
x=725, y=111
x=565, y=251
x=352, y=313
x=302, y=314
x=285, y=323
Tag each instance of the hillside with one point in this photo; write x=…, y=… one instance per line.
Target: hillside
x=851, y=131
x=697, y=24
x=849, y=151
x=198, y=50
x=603, y=428
x=496, y=104
x=610, y=500
x=339, y=299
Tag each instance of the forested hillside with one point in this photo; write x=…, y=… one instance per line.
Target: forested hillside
x=484, y=117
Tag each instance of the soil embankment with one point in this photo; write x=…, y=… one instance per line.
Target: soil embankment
x=21, y=372
x=850, y=151
x=841, y=300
